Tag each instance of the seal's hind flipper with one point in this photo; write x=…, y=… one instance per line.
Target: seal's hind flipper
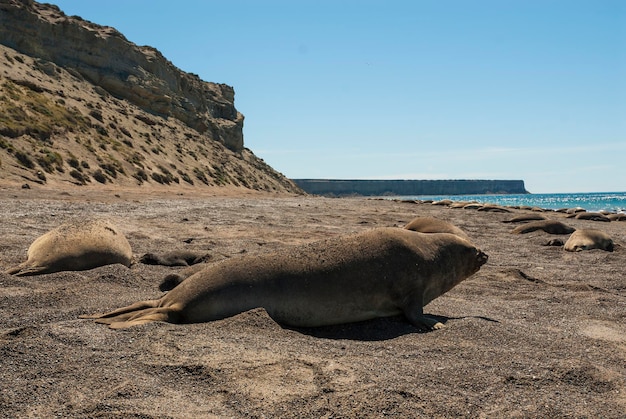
x=150, y=315
x=13, y=270
x=131, y=309
x=25, y=270
x=136, y=314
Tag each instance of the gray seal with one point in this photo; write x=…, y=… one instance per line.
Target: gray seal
x=76, y=246
x=378, y=273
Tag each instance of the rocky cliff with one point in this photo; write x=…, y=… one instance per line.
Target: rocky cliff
x=105, y=58
x=80, y=103
x=410, y=187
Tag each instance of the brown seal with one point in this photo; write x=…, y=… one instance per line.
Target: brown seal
x=587, y=239
x=434, y=225
x=174, y=258
x=76, y=246
x=617, y=217
x=525, y=217
x=472, y=205
x=549, y=226
x=378, y=273
x=591, y=216
x=493, y=208
x=443, y=202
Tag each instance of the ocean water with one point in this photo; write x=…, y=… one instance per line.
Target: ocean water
x=596, y=201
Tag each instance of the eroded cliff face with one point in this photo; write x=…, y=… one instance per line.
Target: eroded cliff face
x=81, y=105
x=338, y=187
x=139, y=74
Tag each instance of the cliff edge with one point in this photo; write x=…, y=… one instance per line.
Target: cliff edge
x=139, y=74
x=336, y=187
x=80, y=104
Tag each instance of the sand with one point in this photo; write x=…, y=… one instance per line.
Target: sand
x=537, y=332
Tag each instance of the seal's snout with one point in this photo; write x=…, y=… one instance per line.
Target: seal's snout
x=482, y=257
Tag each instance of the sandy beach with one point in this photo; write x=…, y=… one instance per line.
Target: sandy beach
x=537, y=332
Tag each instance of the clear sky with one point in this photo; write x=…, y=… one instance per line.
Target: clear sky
x=415, y=89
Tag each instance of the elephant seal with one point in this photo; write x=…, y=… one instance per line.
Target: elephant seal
x=525, y=217
x=554, y=242
x=76, y=246
x=493, y=208
x=434, y=225
x=617, y=217
x=473, y=205
x=549, y=226
x=443, y=202
x=378, y=273
x=591, y=216
x=174, y=258
x=587, y=239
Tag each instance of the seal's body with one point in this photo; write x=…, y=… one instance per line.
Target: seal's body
x=76, y=246
x=434, y=225
x=592, y=216
x=378, y=273
x=174, y=258
x=525, y=217
x=588, y=239
x=549, y=226
x=617, y=217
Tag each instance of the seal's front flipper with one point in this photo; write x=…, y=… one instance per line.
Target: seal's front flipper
x=416, y=316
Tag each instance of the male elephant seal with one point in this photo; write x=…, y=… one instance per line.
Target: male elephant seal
x=434, y=225
x=76, y=246
x=587, y=239
x=549, y=226
x=379, y=273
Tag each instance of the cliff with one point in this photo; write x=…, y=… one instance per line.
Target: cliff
x=409, y=187
x=82, y=104
x=139, y=74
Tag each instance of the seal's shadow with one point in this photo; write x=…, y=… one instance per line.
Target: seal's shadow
x=372, y=330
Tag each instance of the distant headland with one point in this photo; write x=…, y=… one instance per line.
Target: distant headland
x=339, y=187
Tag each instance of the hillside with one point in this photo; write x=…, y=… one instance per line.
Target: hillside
x=82, y=105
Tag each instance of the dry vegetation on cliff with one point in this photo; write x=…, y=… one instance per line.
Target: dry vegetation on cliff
x=72, y=118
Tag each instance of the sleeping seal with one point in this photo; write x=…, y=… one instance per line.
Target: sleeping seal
x=587, y=239
x=76, y=246
x=174, y=258
x=525, y=217
x=434, y=225
x=549, y=226
x=378, y=273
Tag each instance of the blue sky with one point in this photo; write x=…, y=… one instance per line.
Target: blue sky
x=388, y=89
